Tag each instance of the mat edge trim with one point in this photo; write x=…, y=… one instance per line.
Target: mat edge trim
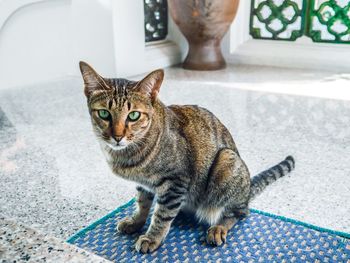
x=283, y=218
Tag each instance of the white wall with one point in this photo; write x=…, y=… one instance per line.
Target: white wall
x=42, y=40
x=35, y=44
x=93, y=37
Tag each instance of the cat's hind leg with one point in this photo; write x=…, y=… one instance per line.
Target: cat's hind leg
x=228, y=186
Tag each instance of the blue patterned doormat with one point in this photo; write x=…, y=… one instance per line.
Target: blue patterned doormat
x=261, y=237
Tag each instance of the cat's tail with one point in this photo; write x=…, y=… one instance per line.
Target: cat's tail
x=265, y=178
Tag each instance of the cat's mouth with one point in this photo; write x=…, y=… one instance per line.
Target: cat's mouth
x=116, y=147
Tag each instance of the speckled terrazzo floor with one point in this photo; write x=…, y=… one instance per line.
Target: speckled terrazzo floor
x=54, y=178
x=19, y=243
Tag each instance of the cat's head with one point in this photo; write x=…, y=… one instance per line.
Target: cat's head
x=121, y=110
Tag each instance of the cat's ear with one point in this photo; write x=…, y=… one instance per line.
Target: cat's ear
x=150, y=85
x=92, y=80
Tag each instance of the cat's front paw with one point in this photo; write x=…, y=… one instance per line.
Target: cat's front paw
x=146, y=244
x=129, y=226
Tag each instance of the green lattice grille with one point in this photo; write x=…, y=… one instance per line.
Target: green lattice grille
x=277, y=19
x=330, y=21
x=321, y=20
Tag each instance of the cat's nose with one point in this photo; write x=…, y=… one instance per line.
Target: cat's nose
x=118, y=138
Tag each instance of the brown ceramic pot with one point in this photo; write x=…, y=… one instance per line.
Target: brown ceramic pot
x=203, y=23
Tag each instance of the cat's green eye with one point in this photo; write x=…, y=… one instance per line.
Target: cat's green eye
x=103, y=114
x=134, y=115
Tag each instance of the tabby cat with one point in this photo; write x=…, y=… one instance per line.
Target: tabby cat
x=181, y=156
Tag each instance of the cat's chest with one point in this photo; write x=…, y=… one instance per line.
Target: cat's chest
x=132, y=172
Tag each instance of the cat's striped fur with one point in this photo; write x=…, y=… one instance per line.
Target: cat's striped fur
x=182, y=156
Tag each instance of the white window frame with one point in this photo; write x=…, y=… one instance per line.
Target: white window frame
x=134, y=55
